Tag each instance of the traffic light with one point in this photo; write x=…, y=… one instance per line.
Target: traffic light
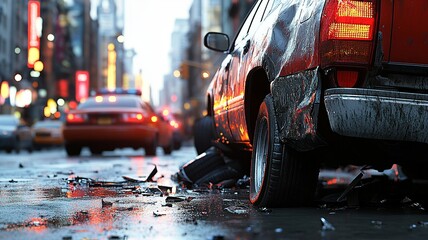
x=184, y=71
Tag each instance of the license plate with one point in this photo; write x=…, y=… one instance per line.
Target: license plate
x=104, y=121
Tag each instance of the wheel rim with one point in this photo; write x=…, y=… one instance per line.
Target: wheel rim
x=262, y=146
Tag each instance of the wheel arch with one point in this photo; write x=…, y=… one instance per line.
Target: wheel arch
x=257, y=86
x=209, y=106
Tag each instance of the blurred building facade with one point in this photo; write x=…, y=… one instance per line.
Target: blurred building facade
x=13, y=46
x=198, y=63
x=110, y=44
x=81, y=50
x=71, y=54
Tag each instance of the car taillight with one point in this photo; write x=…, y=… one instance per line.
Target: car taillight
x=174, y=124
x=76, y=118
x=347, y=32
x=154, y=119
x=133, y=118
x=346, y=78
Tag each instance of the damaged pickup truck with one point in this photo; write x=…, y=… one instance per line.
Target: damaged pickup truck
x=310, y=84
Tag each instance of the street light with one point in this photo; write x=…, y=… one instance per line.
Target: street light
x=205, y=74
x=18, y=77
x=184, y=69
x=176, y=73
x=120, y=38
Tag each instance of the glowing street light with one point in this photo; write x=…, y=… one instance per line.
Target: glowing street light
x=120, y=38
x=18, y=77
x=38, y=66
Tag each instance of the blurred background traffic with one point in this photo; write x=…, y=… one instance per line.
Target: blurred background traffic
x=56, y=53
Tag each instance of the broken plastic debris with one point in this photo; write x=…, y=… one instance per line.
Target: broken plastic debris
x=377, y=223
x=106, y=203
x=158, y=214
x=237, y=209
x=326, y=226
x=424, y=224
x=170, y=199
x=243, y=182
x=395, y=173
x=134, y=179
x=264, y=210
x=354, y=182
x=142, y=179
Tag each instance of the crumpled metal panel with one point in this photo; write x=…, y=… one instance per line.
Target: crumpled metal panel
x=285, y=43
x=291, y=59
x=296, y=100
x=288, y=47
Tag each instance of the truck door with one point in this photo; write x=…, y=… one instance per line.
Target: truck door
x=404, y=25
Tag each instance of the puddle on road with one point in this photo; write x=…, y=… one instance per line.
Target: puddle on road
x=80, y=207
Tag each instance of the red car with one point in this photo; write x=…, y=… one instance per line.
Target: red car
x=107, y=122
x=317, y=83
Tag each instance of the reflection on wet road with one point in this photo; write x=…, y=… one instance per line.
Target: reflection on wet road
x=47, y=195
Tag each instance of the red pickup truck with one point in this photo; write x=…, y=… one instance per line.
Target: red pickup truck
x=307, y=84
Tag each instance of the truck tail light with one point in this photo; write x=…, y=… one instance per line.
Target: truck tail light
x=347, y=32
x=346, y=78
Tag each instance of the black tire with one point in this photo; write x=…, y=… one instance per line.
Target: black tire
x=280, y=176
x=203, y=164
x=167, y=150
x=220, y=174
x=150, y=149
x=204, y=134
x=95, y=150
x=177, y=141
x=30, y=149
x=18, y=145
x=73, y=150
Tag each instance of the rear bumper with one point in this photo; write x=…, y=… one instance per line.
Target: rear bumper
x=125, y=135
x=48, y=140
x=378, y=114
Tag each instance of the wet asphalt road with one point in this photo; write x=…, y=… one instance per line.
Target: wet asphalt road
x=47, y=195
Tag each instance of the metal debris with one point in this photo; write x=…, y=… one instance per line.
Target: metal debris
x=149, y=178
x=264, y=210
x=237, y=209
x=106, y=203
x=354, y=182
x=377, y=223
x=158, y=214
x=171, y=199
x=326, y=226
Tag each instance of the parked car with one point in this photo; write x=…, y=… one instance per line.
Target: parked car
x=177, y=134
x=47, y=133
x=14, y=135
x=312, y=83
x=175, y=122
x=111, y=121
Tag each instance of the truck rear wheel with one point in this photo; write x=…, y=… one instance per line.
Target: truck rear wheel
x=280, y=176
